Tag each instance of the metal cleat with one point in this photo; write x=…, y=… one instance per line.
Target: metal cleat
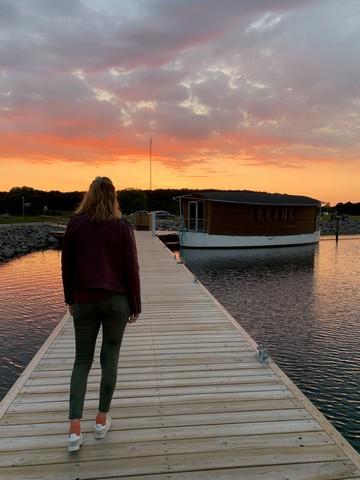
x=262, y=355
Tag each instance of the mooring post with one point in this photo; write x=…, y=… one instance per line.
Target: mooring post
x=337, y=227
x=153, y=223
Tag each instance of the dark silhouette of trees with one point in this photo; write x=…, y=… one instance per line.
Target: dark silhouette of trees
x=12, y=202
x=130, y=199
x=348, y=208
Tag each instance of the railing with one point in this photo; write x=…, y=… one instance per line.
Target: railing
x=193, y=224
x=180, y=223
x=172, y=222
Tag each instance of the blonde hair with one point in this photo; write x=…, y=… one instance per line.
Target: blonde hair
x=99, y=202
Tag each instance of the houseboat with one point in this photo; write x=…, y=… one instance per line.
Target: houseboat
x=236, y=219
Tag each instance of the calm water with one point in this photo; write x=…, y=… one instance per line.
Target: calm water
x=303, y=303
x=31, y=305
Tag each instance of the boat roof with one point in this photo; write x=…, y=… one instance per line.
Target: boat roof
x=255, y=198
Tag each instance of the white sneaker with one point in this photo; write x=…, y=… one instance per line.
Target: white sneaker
x=75, y=442
x=101, y=430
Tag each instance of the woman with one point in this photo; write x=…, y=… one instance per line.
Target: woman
x=100, y=275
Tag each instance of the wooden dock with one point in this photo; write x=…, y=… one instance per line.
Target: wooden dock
x=192, y=401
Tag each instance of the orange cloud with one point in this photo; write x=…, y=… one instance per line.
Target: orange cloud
x=232, y=97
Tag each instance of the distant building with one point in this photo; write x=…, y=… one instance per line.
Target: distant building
x=247, y=219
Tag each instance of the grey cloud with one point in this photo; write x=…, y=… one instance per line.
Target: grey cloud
x=149, y=84
x=8, y=14
x=284, y=83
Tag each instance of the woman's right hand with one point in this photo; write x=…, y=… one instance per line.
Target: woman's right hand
x=133, y=318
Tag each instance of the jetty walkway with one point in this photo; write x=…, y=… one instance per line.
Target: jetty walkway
x=192, y=401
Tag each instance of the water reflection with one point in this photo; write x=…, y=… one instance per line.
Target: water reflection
x=31, y=304
x=261, y=257
x=303, y=303
x=259, y=286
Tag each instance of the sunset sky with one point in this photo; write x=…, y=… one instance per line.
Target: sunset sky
x=239, y=94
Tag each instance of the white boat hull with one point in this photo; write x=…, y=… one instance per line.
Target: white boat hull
x=204, y=240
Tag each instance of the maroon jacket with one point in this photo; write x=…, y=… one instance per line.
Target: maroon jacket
x=100, y=256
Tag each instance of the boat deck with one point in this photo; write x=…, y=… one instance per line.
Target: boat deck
x=192, y=401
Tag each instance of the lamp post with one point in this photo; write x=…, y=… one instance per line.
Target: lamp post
x=45, y=210
x=25, y=204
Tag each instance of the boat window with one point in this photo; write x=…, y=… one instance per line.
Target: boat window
x=200, y=216
x=192, y=215
x=284, y=214
x=260, y=213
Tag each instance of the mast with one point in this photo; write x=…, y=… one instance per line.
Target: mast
x=150, y=155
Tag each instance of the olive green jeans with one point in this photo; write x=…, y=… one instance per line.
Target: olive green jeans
x=112, y=313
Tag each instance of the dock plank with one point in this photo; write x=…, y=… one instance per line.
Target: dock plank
x=165, y=463
x=124, y=449
x=192, y=402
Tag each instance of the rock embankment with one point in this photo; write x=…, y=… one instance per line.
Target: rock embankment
x=18, y=240
x=346, y=227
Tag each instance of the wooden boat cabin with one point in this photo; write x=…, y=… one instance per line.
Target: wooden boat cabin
x=247, y=219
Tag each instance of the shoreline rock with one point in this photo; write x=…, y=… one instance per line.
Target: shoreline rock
x=346, y=227
x=17, y=240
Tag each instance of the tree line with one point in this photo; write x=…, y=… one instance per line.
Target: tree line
x=348, y=208
x=130, y=199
